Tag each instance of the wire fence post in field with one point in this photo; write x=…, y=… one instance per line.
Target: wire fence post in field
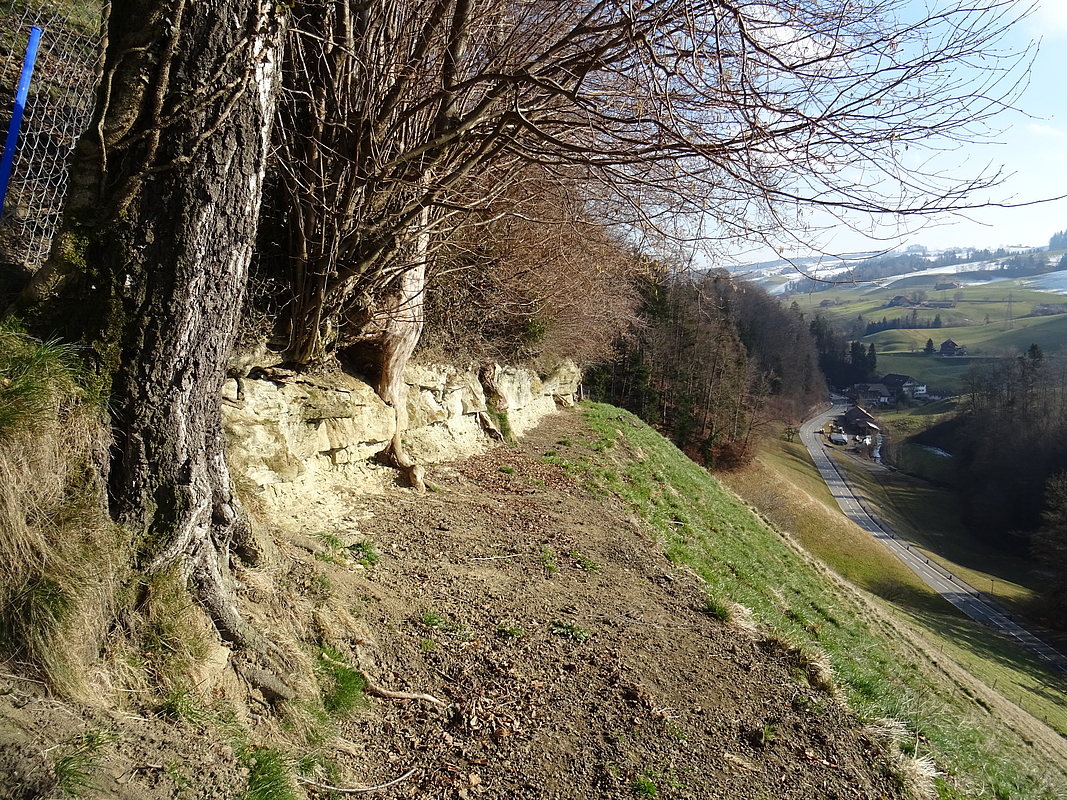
x=56, y=109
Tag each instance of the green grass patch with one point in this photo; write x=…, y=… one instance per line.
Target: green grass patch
x=583, y=562
x=77, y=765
x=547, y=558
x=644, y=786
x=1020, y=676
x=510, y=630
x=365, y=553
x=431, y=618
x=983, y=321
x=788, y=489
x=718, y=608
x=343, y=688
x=699, y=523
x=270, y=775
x=569, y=630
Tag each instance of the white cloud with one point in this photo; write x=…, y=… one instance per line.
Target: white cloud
x=1050, y=19
x=1044, y=130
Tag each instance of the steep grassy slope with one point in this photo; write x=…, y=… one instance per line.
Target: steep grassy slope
x=881, y=671
x=940, y=641
x=545, y=595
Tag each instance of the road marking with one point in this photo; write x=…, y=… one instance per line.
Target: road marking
x=955, y=590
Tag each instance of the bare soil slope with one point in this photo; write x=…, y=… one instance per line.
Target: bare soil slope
x=572, y=660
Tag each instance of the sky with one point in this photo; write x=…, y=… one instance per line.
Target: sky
x=1031, y=148
x=1034, y=149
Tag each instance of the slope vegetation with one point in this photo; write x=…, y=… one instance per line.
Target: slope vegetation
x=586, y=613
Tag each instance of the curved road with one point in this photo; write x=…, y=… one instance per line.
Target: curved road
x=965, y=597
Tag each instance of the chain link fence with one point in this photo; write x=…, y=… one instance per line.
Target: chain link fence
x=58, y=109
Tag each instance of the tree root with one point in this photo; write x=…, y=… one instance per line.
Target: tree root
x=378, y=691
x=489, y=425
x=272, y=687
x=395, y=456
x=357, y=789
x=388, y=694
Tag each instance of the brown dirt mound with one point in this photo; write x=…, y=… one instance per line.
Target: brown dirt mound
x=573, y=659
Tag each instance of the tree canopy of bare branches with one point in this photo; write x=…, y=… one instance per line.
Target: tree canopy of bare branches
x=684, y=119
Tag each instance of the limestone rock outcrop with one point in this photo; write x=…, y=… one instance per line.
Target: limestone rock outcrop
x=286, y=429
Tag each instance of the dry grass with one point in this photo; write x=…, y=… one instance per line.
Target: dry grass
x=57, y=547
x=802, y=507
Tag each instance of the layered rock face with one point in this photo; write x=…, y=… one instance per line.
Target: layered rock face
x=287, y=431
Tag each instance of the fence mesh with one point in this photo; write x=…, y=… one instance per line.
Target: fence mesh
x=58, y=109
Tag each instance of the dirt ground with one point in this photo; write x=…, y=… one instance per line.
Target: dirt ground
x=569, y=657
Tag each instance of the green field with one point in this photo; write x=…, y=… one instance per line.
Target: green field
x=937, y=373
x=989, y=320
x=975, y=305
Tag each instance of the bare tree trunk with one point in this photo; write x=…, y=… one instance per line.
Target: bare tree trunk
x=159, y=232
x=404, y=317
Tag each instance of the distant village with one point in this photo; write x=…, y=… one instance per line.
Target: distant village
x=893, y=388
x=915, y=300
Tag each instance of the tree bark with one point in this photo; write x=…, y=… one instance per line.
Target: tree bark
x=159, y=232
x=402, y=320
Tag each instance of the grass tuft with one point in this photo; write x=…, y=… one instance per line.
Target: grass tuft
x=431, y=618
x=509, y=630
x=547, y=559
x=365, y=553
x=270, y=775
x=644, y=786
x=181, y=705
x=58, y=550
x=172, y=638
x=75, y=769
x=718, y=608
x=343, y=688
x=585, y=563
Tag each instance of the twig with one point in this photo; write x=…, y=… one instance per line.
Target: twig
x=357, y=790
x=391, y=695
x=378, y=691
x=662, y=625
x=21, y=678
x=493, y=558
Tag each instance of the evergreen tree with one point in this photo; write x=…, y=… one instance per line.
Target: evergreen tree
x=1049, y=543
x=929, y=349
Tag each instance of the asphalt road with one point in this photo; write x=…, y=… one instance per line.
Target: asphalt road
x=966, y=598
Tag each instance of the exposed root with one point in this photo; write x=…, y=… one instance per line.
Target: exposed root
x=378, y=691
x=357, y=789
x=388, y=694
x=395, y=456
x=490, y=426
x=272, y=687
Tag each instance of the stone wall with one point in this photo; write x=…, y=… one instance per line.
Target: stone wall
x=286, y=430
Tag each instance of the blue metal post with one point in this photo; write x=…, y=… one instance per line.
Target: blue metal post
x=16, y=116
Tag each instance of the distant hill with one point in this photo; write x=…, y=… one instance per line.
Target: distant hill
x=816, y=274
